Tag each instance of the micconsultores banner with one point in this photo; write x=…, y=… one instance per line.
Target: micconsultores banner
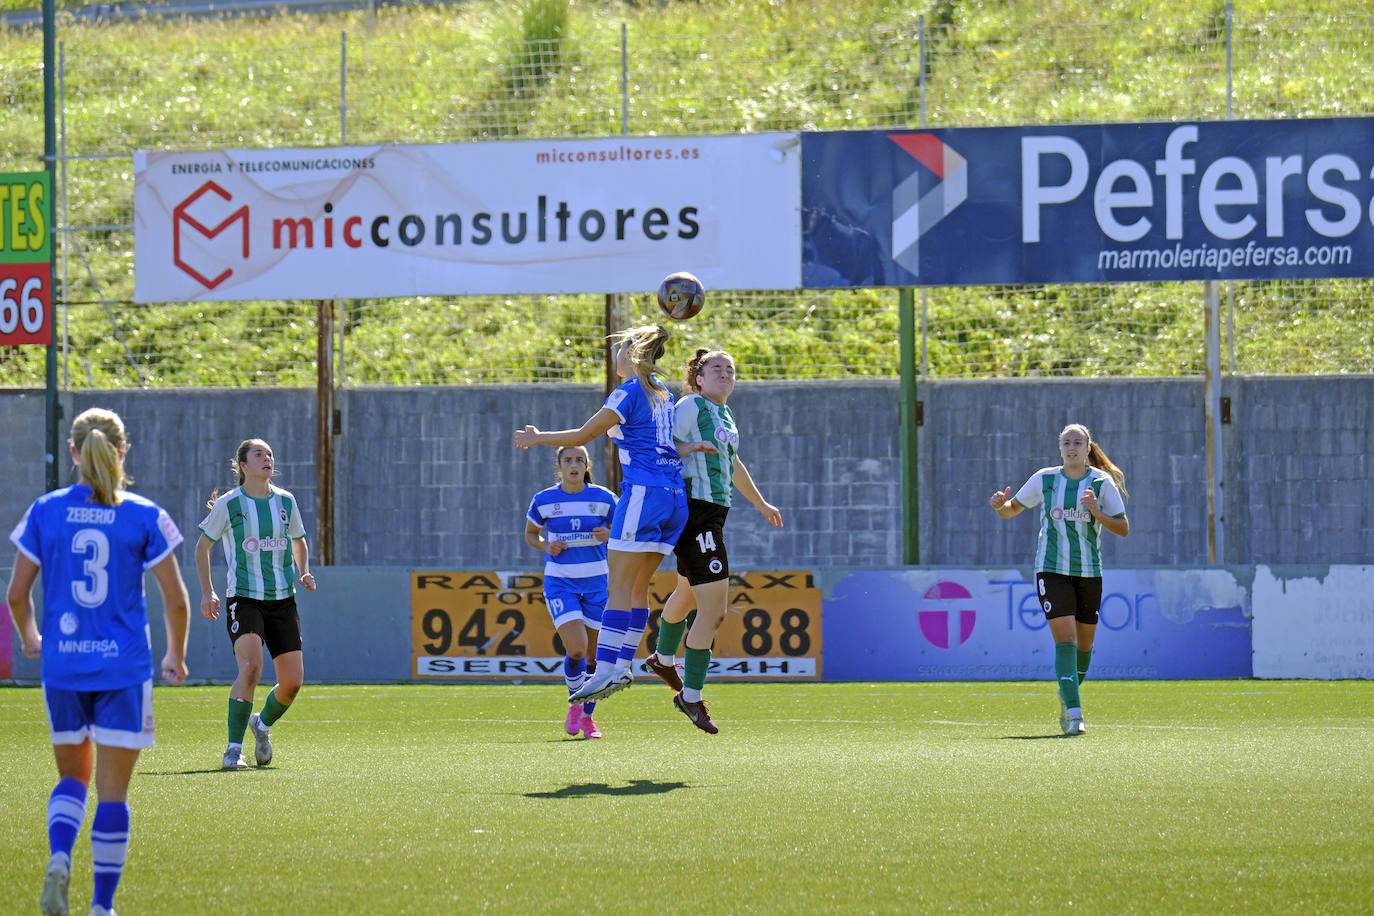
x=1093, y=203
x=569, y=216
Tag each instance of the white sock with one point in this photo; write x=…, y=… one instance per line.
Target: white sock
x=691, y=695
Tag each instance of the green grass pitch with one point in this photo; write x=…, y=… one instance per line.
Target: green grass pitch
x=1184, y=797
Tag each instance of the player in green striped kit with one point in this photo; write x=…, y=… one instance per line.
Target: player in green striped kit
x=264, y=547
x=1081, y=497
x=703, y=568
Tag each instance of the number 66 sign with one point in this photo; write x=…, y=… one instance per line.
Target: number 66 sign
x=495, y=626
x=25, y=263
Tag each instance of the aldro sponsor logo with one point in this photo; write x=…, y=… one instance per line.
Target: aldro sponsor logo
x=256, y=545
x=545, y=223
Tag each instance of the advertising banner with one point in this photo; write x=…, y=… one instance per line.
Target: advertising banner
x=977, y=625
x=1221, y=200
x=496, y=626
x=25, y=258
x=567, y=216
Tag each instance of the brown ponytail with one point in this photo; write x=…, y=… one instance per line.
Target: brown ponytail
x=236, y=466
x=1097, y=458
x=699, y=359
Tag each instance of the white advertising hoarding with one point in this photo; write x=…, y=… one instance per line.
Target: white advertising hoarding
x=1314, y=623
x=569, y=216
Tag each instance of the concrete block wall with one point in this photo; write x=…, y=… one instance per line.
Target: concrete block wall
x=981, y=436
x=428, y=477
x=1302, y=470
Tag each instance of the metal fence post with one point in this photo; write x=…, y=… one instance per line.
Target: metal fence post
x=1228, y=60
x=61, y=237
x=1211, y=407
x=51, y=409
x=343, y=88
x=909, y=411
x=624, y=79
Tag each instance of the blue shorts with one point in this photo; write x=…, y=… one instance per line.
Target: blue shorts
x=115, y=718
x=648, y=519
x=569, y=600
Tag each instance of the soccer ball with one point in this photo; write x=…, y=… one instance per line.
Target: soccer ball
x=681, y=296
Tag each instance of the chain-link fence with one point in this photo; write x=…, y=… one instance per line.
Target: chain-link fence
x=421, y=76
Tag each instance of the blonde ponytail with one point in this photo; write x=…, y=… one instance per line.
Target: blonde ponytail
x=644, y=347
x=98, y=435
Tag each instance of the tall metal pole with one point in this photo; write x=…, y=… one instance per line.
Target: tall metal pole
x=624, y=79
x=908, y=403
x=1211, y=297
x=343, y=88
x=911, y=483
x=1216, y=540
x=324, y=430
x=51, y=410
x=610, y=453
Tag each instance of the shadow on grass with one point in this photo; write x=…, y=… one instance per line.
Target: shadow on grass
x=199, y=772
x=636, y=787
x=1032, y=737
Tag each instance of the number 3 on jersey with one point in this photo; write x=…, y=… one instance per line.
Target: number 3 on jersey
x=92, y=545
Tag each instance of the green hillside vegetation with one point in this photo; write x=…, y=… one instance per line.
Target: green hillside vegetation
x=484, y=71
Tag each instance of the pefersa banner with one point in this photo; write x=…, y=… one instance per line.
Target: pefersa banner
x=1094, y=203
x=568, y=216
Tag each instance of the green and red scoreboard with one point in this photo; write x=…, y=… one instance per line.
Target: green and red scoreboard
x=25, y=258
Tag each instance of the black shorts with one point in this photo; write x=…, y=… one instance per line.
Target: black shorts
x=276, y=623
x=701, y=548
x=1061, y=596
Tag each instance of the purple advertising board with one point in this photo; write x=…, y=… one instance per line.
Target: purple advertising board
x=975, y=625
x=1210, y=200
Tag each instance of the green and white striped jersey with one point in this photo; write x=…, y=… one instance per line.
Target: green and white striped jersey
x=257, y=536
x=1070, y=538
x=698, y=419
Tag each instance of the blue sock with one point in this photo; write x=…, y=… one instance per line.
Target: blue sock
x=66, y=811
x=573, y=671
x=639, y=620
x=109, y=849
x=588, y=707
x=613, y=625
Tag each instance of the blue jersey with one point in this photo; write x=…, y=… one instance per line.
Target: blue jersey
x=645, y=436
x=92, y=558
x=570, y=518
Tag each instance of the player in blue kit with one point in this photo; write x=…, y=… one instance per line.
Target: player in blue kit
x=652, y=509
x=571, y=523
x=93, y=541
